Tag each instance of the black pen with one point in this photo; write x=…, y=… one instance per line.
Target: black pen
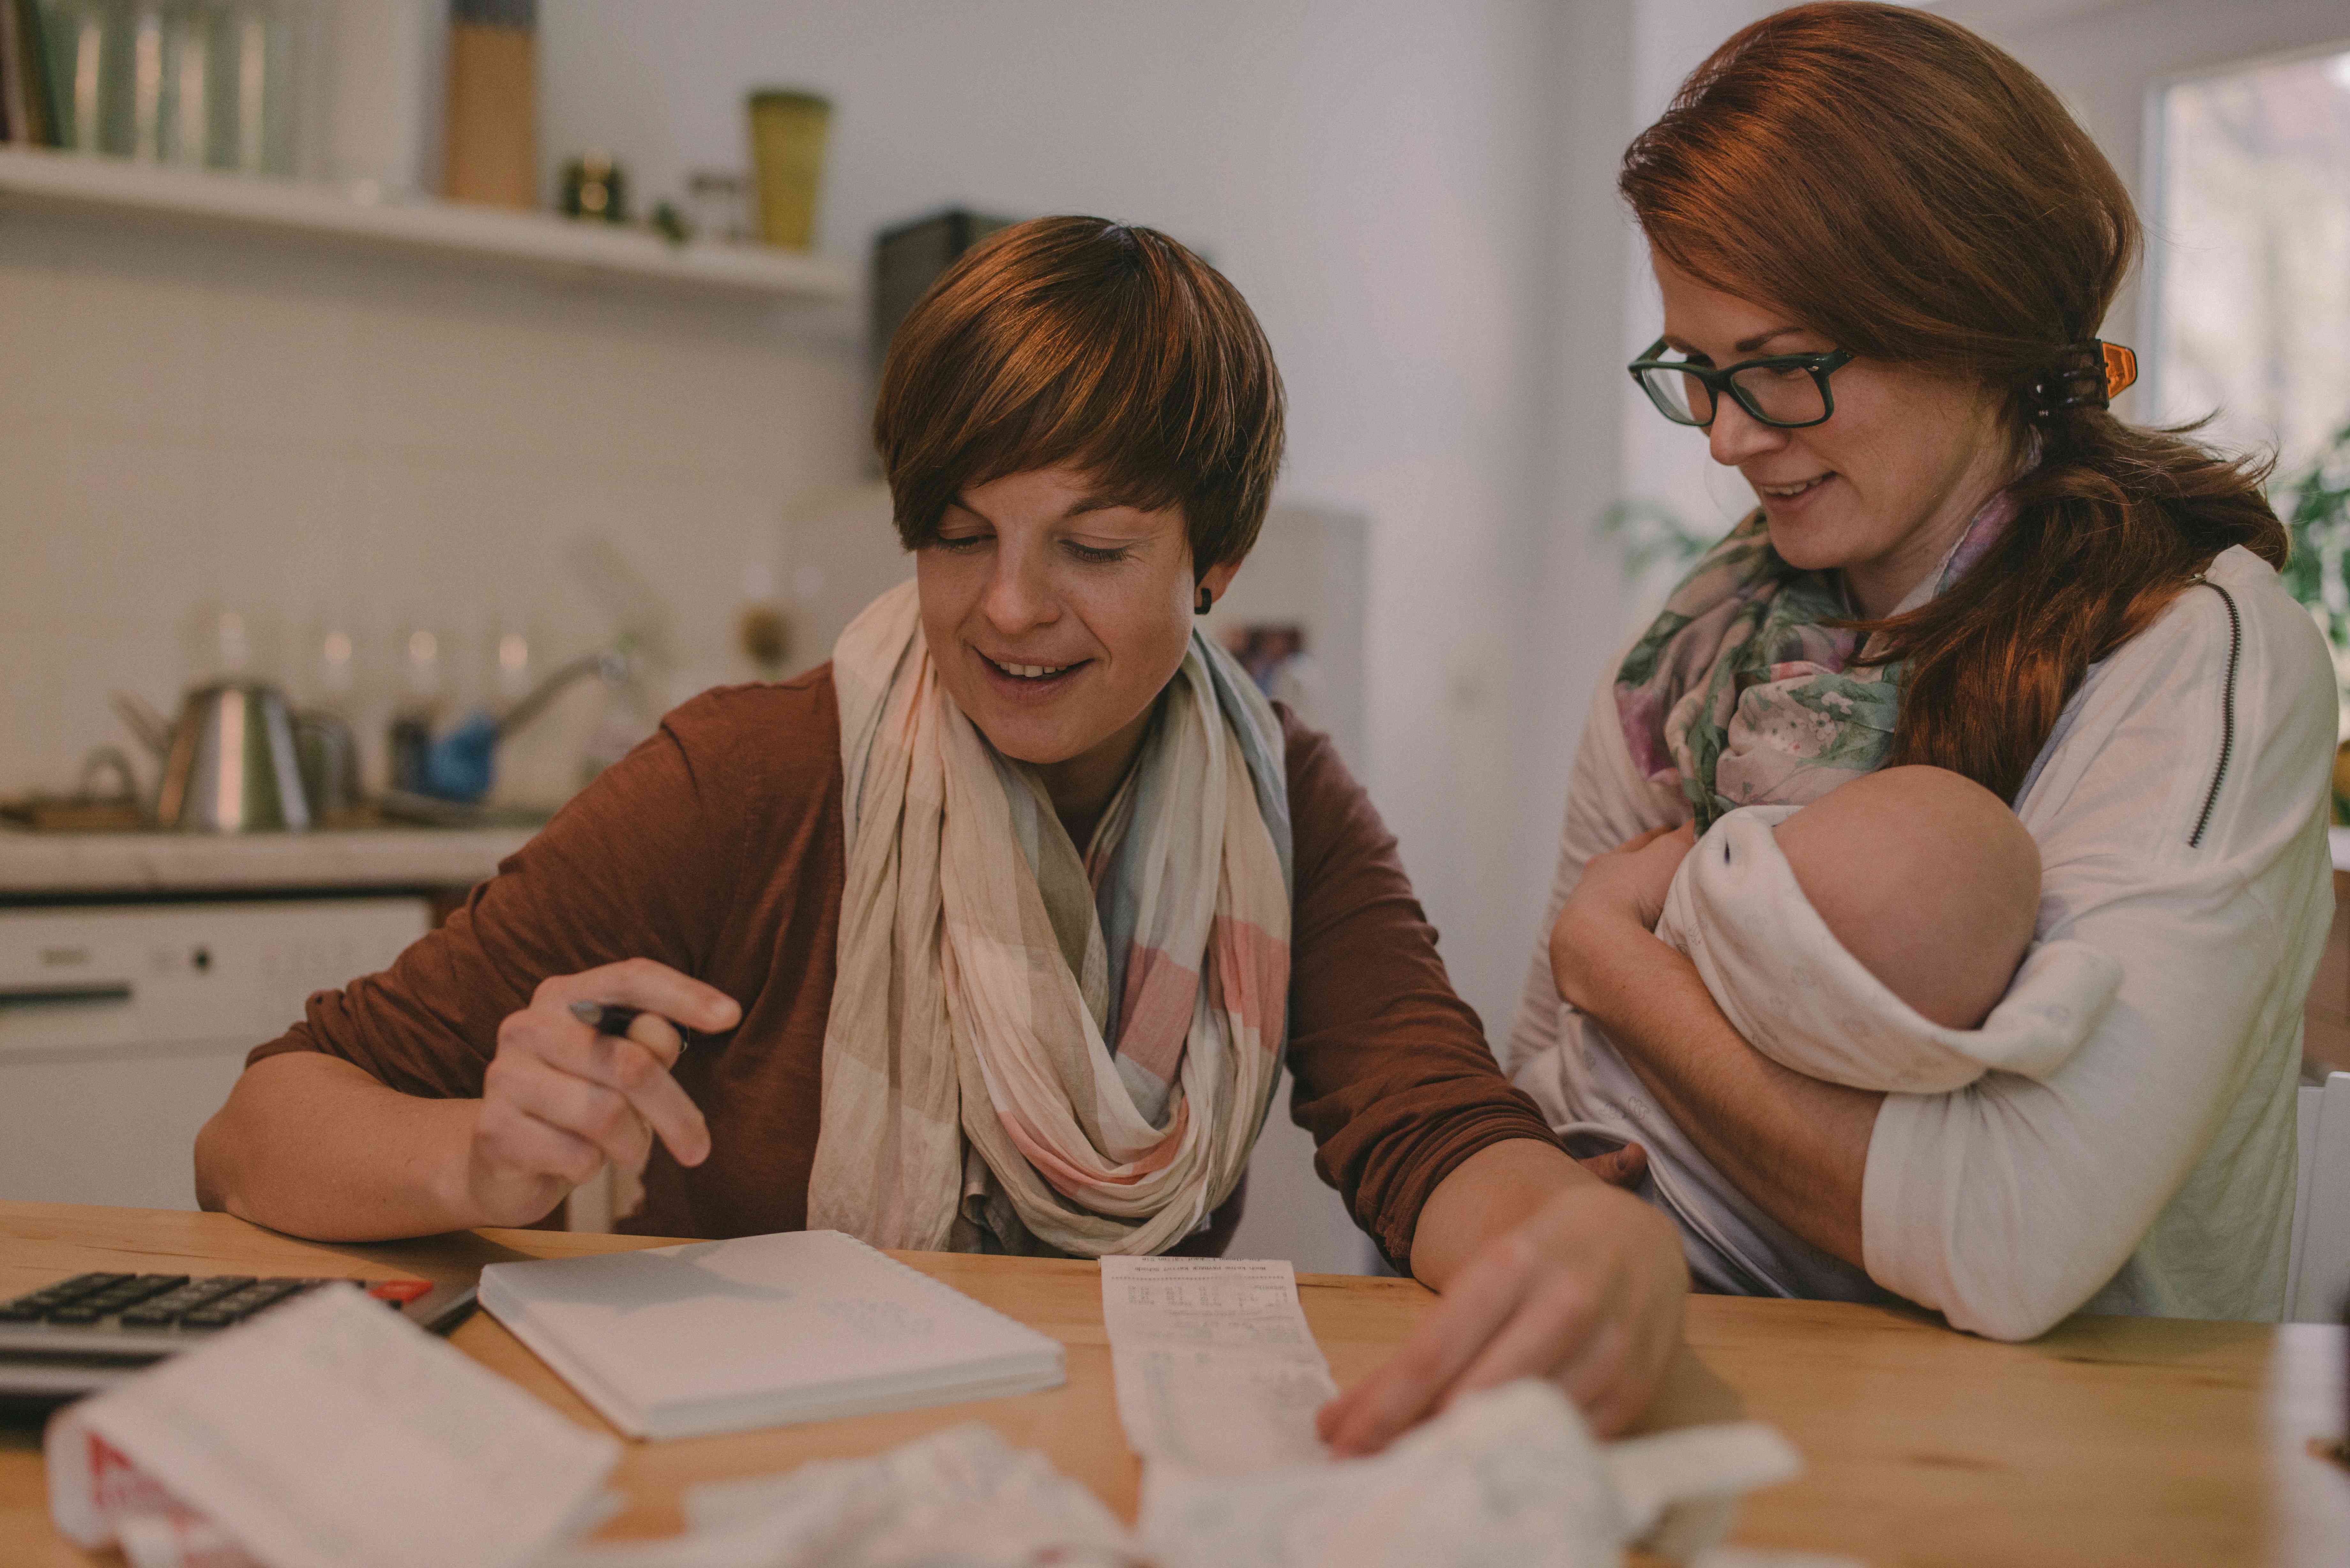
x=606, y=1017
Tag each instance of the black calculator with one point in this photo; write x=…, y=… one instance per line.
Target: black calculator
x=87, y=1333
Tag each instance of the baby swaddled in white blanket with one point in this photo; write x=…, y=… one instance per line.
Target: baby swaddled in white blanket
x=1881, y=936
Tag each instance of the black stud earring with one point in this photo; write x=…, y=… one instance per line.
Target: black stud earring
x=1205, y=602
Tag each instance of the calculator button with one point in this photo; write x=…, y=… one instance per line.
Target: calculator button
x=164, y=1309
x=130, y=1293
x=154, y=1301
x=202, y=1292
x=71, y=1290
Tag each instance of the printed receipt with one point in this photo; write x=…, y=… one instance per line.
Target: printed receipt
x=1216, y=1370
x=328, y=1433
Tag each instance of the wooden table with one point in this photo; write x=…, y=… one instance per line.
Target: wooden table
x=2113, y=1440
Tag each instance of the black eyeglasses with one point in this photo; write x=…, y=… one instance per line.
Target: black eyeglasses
x=1788, y=391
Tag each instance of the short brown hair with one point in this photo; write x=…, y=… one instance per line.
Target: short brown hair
x=1914, y=194
x=1100, y=345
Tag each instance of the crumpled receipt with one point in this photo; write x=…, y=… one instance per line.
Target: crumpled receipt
x=328, y=1433
x=1510, y=1476
x=1507, y=1478
x=958, y=1498
x=1216, y=1369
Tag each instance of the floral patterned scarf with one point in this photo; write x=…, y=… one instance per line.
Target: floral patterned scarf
x=1740, y=694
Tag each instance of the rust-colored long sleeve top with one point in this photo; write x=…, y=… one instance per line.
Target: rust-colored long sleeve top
x=718, y=848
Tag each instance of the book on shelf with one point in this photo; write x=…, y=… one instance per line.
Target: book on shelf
x=29, y=100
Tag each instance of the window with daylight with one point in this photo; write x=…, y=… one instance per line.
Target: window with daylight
x=2255, y=289
x=2252, y=298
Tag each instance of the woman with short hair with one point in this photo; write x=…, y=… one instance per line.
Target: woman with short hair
x=994, y=932
x=1886, y=252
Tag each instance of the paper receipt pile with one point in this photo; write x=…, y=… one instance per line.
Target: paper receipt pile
x=1218, y=1379
x=328, y=1434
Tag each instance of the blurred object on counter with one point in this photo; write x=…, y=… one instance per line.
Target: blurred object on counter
x=87, y=810
x=211, y=85
x=491, y=127
x=787, y=134
x=717, y=204
x=460, y=764
x=417, y=703
x=327, y=750
x=766, y=634
x=410, y=736
x=908, y=258
x=29, y=96
x=595, y=187
x=231, y=764
x=1275, y=658
x=669, y=223
x=763, y=628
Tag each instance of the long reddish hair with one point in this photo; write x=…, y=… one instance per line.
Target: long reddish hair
x=1908, y=190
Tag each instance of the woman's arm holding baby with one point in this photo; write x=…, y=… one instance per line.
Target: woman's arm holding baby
x=1796, y=1145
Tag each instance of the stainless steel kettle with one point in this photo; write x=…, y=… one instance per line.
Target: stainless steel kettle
x=230, y=764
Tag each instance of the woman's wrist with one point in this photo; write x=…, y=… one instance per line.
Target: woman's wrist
x=1500, y=1186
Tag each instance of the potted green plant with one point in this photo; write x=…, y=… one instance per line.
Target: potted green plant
x=2315, y=506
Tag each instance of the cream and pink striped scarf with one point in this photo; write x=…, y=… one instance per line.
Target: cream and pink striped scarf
x=1030, y=1048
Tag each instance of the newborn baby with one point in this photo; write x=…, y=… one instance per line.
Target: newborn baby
x=1881, y=936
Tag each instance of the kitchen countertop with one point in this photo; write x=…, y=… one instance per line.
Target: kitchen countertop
x=32, y=864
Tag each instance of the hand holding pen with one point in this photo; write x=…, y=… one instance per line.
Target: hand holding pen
x=582, y=1075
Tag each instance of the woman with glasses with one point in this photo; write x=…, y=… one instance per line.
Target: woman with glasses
x=1886, y=252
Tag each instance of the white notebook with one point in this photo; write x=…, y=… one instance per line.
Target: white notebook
x=764, y=1330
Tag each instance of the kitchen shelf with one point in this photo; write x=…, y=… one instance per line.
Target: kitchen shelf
x=540, y=243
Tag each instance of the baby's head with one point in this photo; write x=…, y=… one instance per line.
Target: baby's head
x=1926, y=879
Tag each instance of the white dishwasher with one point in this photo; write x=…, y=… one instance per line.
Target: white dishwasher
x=122, y=1027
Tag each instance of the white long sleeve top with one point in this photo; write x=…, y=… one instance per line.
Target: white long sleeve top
x=2180, y=807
